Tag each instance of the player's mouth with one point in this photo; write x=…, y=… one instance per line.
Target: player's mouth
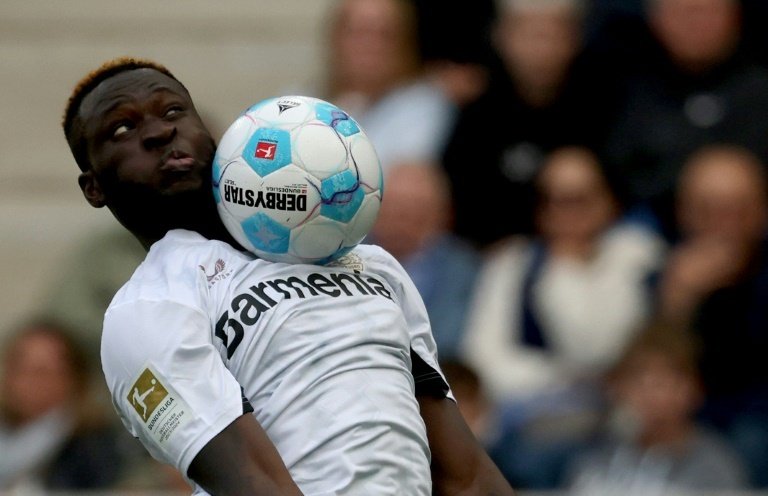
x=174, y=161
x=179, y=172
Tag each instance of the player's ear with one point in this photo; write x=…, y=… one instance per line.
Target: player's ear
x=91, y=189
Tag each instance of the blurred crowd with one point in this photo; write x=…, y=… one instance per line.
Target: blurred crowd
x=577, y=188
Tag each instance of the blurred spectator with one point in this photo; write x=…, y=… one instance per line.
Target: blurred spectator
x=51, y=436
x=618, y=37
x=694, y=87
x=652, y=444
x=375, y=73
x=455, y=45
x=722, y=215
x=414, y=226
x=89, y=277
x=755, y=17
x=717, y=280
x=564, y=303
x=537, y=102
x=550, y=313
x=606, y=16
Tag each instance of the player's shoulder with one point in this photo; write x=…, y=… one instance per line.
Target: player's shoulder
x=180, y=249
x=368, y=257
x=378, y=262
x=181, y=240
x=177, y=264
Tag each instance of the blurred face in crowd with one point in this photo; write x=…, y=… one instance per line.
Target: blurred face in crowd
x=722, y=195
x=660, y=394
x=37, y=376
x=538, y=40
x=372, y=44
x=576, y=203
x=414, y=209
x=697, y=33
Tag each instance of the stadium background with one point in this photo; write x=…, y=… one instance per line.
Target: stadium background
x=229, y=54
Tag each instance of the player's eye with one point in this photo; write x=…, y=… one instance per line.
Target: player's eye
x=173, y=110
x=121, y=129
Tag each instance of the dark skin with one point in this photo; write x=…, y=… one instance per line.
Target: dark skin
x=151, y=158
x=460, y=466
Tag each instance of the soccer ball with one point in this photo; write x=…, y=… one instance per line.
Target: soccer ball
x=297, y=180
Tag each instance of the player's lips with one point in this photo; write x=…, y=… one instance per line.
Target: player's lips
x=176, y=161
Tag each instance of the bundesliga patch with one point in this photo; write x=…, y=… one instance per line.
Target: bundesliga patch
x=161, y=410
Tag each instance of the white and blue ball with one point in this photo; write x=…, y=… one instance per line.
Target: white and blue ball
x=297, y=180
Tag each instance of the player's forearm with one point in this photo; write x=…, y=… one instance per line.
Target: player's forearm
x=480, y=477
x=460, y=466
x=241, y=460
x=243, y=484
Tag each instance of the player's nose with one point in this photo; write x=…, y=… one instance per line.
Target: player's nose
x=157, y=133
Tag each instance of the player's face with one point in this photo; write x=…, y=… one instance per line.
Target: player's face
x=150, y=152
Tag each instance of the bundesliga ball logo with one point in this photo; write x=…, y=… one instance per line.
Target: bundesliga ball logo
x=297, y=180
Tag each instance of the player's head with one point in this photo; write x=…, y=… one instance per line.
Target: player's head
x=141, y=146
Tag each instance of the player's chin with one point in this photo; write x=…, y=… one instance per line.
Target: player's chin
x=182, y=184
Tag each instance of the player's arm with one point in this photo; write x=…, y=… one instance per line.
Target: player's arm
x=153, y=354
x=460, y=465
x=241, y=459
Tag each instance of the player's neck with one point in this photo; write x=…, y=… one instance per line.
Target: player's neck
x=211, y=230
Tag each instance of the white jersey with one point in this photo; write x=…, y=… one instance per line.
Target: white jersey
x=328, y=359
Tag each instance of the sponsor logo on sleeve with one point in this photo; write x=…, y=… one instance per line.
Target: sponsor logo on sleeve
x=217, y=273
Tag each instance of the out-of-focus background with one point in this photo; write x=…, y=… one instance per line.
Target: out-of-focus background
x=576, y=187
x=229, y=54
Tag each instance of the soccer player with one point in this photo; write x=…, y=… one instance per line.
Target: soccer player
x=254, y=377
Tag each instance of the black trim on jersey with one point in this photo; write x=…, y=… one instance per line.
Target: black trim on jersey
x=247, y=407
x=428, y=381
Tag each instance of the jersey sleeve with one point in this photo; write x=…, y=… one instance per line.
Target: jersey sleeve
x=167, y=379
